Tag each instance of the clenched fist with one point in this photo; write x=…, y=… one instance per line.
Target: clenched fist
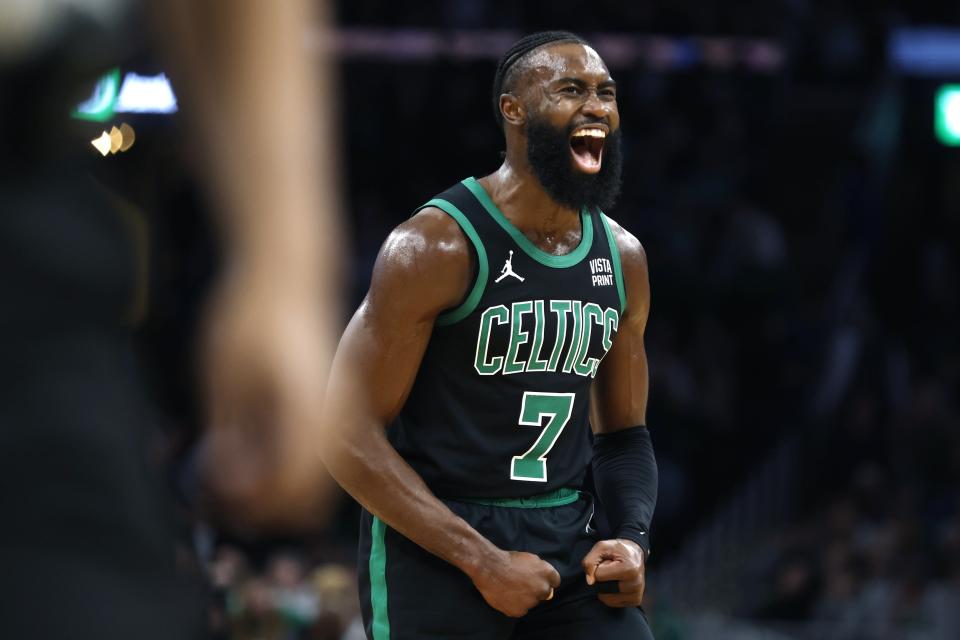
x=621, y=561
x=516, y=582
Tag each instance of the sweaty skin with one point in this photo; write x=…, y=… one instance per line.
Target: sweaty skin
x=562, y=84
x=424, y=268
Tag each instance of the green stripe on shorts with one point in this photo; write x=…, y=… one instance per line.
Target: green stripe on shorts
x=378, y=580
x=556, y=498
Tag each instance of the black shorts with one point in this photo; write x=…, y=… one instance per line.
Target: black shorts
x=408, y=593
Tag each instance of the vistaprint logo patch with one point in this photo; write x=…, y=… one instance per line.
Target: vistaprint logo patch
x=602, y=272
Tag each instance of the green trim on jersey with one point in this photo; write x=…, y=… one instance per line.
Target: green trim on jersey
x=532, y=250
x=380, y=629
x=483, y=269
x=617, y=269
x=556, y=498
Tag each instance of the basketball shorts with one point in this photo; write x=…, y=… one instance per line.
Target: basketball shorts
x=407, y=593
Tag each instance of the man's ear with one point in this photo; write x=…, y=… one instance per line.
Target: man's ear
x=512, y=109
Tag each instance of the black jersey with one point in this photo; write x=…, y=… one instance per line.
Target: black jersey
x=501, y=403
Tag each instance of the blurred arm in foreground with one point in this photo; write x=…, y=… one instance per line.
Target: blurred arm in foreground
x=252, y=87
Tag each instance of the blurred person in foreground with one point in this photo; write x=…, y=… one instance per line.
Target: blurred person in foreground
x=91, y=545
x=256, y=89
x=503, y=321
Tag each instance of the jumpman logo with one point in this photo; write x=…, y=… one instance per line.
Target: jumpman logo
x=508, y=269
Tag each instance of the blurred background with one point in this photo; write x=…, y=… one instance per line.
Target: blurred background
x=793, y=171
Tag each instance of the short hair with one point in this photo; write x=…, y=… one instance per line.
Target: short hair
x=518, y=51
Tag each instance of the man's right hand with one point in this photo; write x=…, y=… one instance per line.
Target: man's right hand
x=516, y=582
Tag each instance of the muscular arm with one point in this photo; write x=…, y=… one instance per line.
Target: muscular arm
x=382, y=347
x=423, y=268
x=620, y=390
x=625, y=471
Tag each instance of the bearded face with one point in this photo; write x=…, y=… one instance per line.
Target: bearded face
x=579, y=165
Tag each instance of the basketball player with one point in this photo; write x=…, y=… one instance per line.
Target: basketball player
x=474, y=526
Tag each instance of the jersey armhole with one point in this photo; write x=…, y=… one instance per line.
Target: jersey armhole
x=473, y=298
x=617, y=268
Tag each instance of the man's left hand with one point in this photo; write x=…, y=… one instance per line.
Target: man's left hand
x=621, y=561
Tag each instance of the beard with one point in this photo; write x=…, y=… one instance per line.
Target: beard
x=548, y=151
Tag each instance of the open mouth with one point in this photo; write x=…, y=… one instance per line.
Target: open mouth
x=586, y=144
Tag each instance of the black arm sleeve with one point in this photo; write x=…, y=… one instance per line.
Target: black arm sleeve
x=625, y=475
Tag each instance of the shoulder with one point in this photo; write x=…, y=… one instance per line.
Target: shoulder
x=426, y=259
x=633, y=257
x=431, y=238
x=633, y=262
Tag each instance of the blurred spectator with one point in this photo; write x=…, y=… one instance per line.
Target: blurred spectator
x=294, y=596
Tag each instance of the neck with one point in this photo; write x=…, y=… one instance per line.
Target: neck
x=520, y=196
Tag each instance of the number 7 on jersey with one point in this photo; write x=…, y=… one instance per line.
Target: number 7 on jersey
x=557, y=408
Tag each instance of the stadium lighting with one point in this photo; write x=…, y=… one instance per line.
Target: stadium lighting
x=146, y=94
x=116, y=140
x=134, y=94
x=99, y=106
x=102, y=143
x=946, y=119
